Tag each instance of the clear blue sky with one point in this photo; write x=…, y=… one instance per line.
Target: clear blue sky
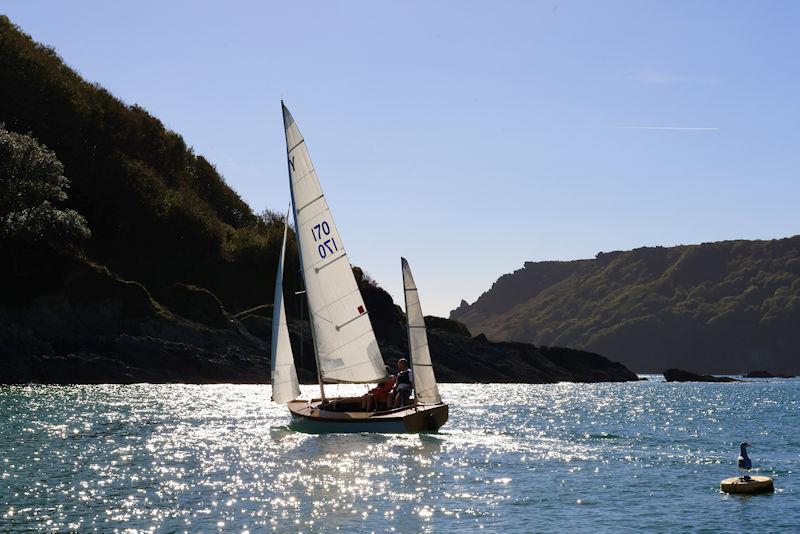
x=472, y=136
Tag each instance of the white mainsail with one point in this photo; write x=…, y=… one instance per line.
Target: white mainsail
x=346, y=348
x=285, y=386
x=425, y=387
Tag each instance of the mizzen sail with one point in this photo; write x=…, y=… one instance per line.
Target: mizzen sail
x=347, y=350
x=425, y=387
x=285, y=386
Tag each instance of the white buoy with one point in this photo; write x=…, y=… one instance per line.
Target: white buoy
x=756, y=484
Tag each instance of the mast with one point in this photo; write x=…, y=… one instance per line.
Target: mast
x=300, y=254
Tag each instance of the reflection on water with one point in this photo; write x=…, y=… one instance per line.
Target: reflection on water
x=642, y=456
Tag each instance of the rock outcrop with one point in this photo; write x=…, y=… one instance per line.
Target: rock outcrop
x=763, y=374
x=679, y=375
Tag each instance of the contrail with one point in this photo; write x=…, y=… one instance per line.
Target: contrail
x=674, y=128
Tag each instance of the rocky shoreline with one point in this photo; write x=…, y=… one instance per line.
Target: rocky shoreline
x=679, y=375
x=91, y=326
x=764, y=374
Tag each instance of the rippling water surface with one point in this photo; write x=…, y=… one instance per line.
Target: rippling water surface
x=623, y=457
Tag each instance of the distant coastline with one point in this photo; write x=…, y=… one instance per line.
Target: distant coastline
x=718, y=308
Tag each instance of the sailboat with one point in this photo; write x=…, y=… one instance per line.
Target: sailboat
x=345, y=348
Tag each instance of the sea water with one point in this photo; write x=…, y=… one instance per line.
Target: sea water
x=644, y=456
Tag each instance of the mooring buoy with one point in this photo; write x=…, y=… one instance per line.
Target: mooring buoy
x=756, y=484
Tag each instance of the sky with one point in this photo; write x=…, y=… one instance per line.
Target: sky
x=470, y=137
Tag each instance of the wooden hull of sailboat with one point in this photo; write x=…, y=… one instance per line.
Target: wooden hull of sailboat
x=314, y=417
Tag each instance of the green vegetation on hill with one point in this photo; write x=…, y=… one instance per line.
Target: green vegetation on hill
x=158, y=213
x=32, y=189
x=716, y=307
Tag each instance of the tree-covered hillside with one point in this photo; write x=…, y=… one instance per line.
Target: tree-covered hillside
x=158, y=213
x=715, y=307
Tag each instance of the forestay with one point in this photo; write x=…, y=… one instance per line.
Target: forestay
x=285, y=386
x=347, y=350
x=425, y=387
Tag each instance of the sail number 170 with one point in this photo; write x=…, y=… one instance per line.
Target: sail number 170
x=321, y=232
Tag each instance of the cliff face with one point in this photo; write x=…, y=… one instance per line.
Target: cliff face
x=717, y=307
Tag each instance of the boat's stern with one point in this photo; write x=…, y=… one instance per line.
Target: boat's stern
x=427, y=418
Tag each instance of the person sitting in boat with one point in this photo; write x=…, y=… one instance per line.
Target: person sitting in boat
x=378, y=397
x=404, y=383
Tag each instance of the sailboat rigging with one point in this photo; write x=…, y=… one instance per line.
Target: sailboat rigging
x=345, y=347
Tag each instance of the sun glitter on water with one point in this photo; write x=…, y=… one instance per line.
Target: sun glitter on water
x=221, y=459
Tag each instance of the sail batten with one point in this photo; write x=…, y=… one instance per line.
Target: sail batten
x=346, y=348
x=426, y=390
x=285, y=385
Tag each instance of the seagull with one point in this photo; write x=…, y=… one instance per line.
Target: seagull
x=745, y=464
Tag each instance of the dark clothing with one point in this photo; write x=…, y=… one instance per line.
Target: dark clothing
x=405, y=396
x=404, y=377
x=403, y=386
